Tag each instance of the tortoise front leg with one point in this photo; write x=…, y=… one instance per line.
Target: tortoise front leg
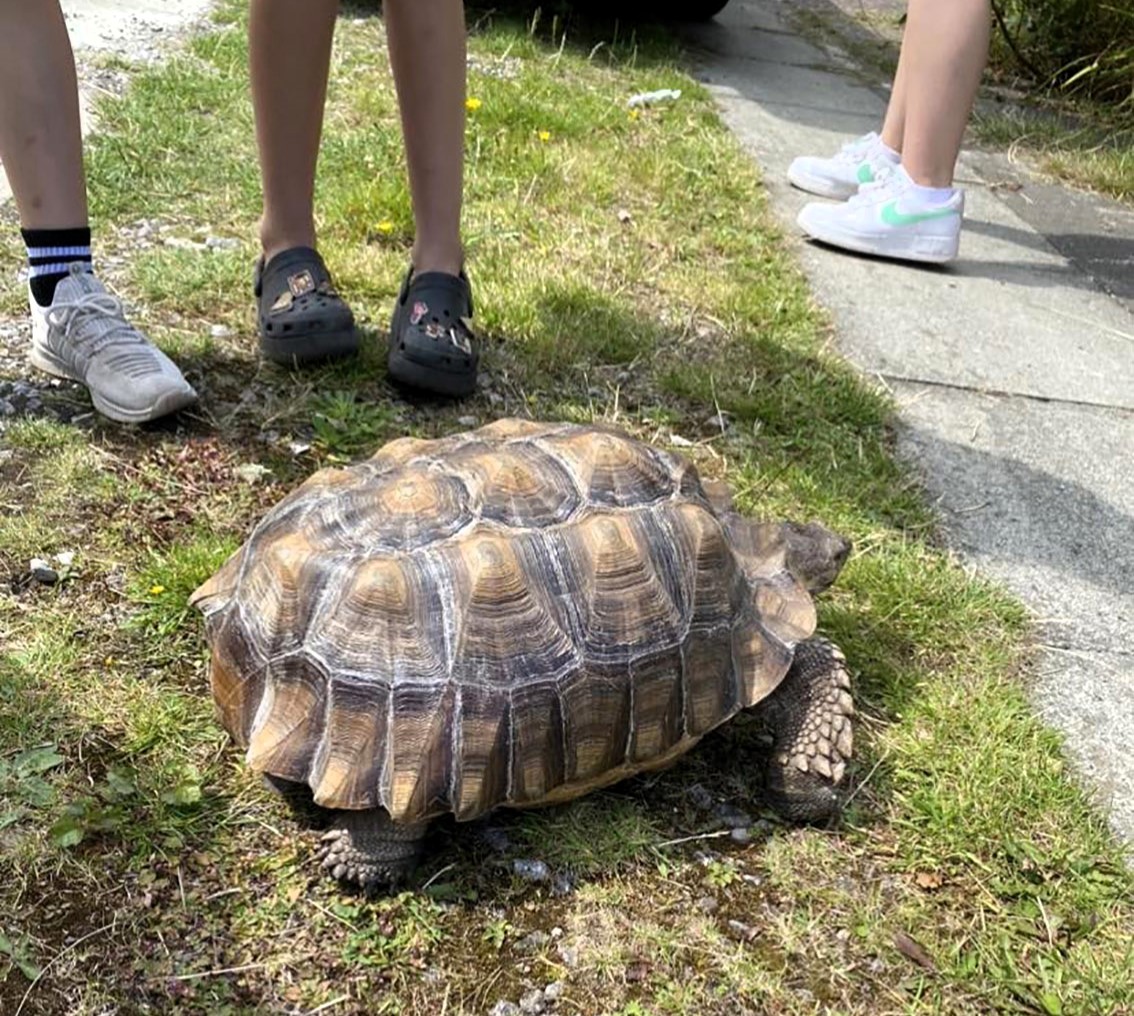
x=366, y=849
x=810, y=715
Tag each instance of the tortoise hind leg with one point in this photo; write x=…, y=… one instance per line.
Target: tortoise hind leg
x=368, y=850
x=810, y=715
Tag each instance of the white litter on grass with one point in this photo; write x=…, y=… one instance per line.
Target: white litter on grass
x=649, y=98
x=252, y=472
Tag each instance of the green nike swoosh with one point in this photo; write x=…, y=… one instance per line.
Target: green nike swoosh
x=892, y=217
x=865, y=173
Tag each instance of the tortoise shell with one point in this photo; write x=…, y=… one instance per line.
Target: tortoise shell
x=512, y=616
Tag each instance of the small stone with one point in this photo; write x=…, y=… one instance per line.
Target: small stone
x=752, y=880
x=740, y=834
x=298, y=448
x=530, y=870
x=532, y=1004
x=42, y=572
x=65, y=559
x=707, y=904
x=562, y=884
x=569, y=955
x=220, y=332
x=742, y=931
x=700, y=797
x=504, y=1008
x=221, y=243
x=553, y=991
x=534, y=942
x=732, y=817
x=467, y=421
x=557, y=933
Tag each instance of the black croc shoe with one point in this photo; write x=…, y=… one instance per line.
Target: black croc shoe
x=301, y=316
x=432, y=345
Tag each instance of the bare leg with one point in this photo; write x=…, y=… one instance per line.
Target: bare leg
x=946, y=48
x=810, y=714
x=290, y=55
x=894, y=126
x=40, y=142
x=427, y=54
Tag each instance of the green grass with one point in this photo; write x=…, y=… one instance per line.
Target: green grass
x=626, y=269
x=1093, y=155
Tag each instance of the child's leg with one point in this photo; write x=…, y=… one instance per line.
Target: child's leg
x=894, y=126
x=427, y=53
x=301, y=317
x=290, y=56
x=40, y=142
x=946, y=48
x=78, y=329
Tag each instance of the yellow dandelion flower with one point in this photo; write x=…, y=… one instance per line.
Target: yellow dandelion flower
x=108, y=662
x=633, y=114
x=156, y=590
x=544, y=136
x=472, y=105
x=386, y=227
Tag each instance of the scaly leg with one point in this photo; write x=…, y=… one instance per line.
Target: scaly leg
x=810, y=714
x=366, y=849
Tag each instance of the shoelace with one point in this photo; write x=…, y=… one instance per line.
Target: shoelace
x=67, y=313
x=853, y=151
x=868, y=192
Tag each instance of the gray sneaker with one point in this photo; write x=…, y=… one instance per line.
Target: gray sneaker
x=84, y=336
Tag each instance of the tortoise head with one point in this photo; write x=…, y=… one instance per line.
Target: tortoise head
x=814, y=554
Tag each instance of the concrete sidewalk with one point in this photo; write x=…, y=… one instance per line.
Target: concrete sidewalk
x=1013, y=369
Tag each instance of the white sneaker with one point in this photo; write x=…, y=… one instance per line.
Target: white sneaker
x=857, y=163
x=888, y=219
x=84, y=336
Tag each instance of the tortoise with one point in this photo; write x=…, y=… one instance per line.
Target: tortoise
x=515, y=616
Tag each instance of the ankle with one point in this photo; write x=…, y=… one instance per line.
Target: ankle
x=929, y=179
x=275, y=239
x=447, y=258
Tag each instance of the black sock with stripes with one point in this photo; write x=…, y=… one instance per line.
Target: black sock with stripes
x=51, y=252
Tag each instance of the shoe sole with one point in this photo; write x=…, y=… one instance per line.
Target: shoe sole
x=410, y=374
x=168, y=403
x=900, y=247
x=817, y=185
x=310, y=348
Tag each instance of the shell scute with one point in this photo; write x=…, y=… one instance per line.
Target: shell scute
x=657, y=689
x=597, y=702
x=503, y=627
x=485, y=719
x=517, y=485
x=612, y=470
x=538, y=760
x=349, y=770
x=291, y=718
x=419, y=763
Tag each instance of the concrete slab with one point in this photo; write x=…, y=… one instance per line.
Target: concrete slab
x=1011, y=281
x=1039, y=496
x=135, y=29
x=1013, y=367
